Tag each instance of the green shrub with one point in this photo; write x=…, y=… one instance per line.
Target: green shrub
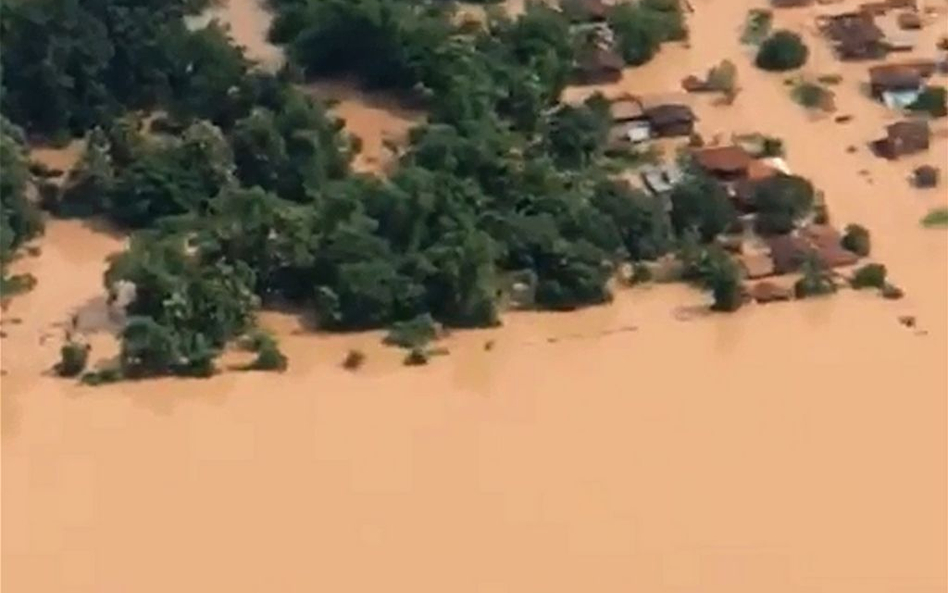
x=784, y=50
x=936, y=218
x=416, y=357
x=856, y=239
x=933, y=100
x=757, y=26
x=809, y=94
x=641, y=273
x=102, y=376
x=269, y=357
x=73, y=357
x=816, y=280
x=414, y=333
x=869, y=276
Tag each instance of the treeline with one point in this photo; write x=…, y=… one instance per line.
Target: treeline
x=239, y=188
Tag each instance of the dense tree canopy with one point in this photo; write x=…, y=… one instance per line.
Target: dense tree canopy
x=240, y=192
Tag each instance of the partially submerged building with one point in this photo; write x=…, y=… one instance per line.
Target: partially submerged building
x=598, y=65
x=670, y=120
x=724, y=163
x=896, y=85
x=903, y=138
x=854, y=35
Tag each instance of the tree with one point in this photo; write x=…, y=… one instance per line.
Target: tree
x=722, y=277
x=576, y=135
x=933, y=100
x=869, y=276
x=73, y=359
x=781, y=201
x=700, y=203
x=856, y=238
x=20, y=220
x=783, y=50
x=816, y=279
x=89, y=186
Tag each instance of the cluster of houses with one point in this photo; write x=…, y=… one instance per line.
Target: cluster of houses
x=638, y=118
x=855, y=35
x=739, y=172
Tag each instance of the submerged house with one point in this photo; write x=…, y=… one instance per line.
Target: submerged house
x=598, y=65
x=903, y=138
x=855, y=35
x=724, y=163
x=896, y=85
x=670, y=120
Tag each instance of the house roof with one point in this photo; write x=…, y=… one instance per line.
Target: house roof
x=723, y=159
x=853, y=28
x=768, y=292
x=788, y=252
x=912, y=131
x=598, y=59
x=895, y=76
x=669, y=114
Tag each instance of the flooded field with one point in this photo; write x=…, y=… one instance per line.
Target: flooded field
x=642, y=446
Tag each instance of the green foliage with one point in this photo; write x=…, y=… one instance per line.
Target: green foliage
x=640, y=28
x=781, y=201
x=869, y=276
x=936, y=218
x=102, y=376
x=723, y=78
x=699, y=203
x=73, y=357
x=783, y=50
x=816, y=280
x=414, y=333
x=856, y=238
x=810, y=94
x=69, y=66
x=933, y=100
x=269, y=357
x=757, y=26
x=20, y=220
x=712, y=269
x=416, y=357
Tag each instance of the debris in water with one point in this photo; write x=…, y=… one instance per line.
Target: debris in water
x=907, y=320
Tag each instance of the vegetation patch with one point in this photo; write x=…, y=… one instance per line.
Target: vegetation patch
x=783, y=50
x=856, y=238
x=73, y=357
x=869, y=276
x=757, y=25
x=936, y=218
x=933, y=101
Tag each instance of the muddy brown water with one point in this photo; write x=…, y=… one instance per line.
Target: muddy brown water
x=792, y=447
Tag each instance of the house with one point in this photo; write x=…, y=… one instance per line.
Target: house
x=790, y=3
x=855, y=35
x=599, y=65
x=625, y=109
x=671, y=120
x=894, y=78
x=903, y=138
x=925, y=176
x=788, y=252
x=726, y=163
x=827, y=244
x=874, y=8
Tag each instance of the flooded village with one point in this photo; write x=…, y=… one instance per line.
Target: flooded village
x=645, y=444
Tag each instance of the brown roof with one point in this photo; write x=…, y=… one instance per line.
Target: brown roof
x=669, y=114
x=853, y=28
x=821, y=235
x=788, y=252
x=790, y=3
x=723, y=159
x=911, y=132
x=597, y=60
x=895, y=76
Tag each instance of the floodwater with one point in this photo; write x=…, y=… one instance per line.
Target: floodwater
x=642, y=446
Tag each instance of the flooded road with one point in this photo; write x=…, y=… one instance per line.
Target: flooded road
x=792, y=447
